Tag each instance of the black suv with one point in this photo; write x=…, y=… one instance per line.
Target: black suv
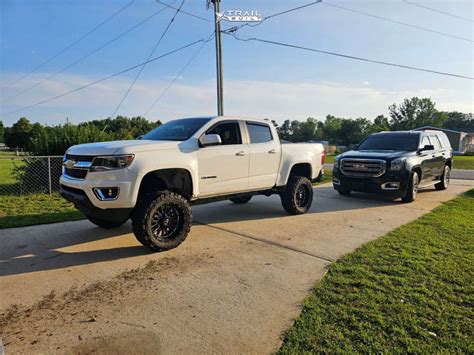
x=395, y=163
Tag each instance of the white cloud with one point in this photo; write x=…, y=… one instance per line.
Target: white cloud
x=253, y=98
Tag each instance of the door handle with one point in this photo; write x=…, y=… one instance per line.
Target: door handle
x=272, y=151
x=240, y=154
x=433, y=156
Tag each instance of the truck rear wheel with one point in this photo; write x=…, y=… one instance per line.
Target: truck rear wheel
x=443, y=184
x=162, y=221
x=241, y=200
x=298, y=195
x=105, y=223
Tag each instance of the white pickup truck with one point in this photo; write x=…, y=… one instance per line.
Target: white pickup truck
x=154, y=180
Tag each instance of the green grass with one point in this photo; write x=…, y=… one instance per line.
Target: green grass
x=27, y=210
x=463, y=162
x=330, y=158
x=409, y=291
x=6, y=172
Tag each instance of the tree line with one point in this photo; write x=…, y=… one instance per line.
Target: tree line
x=411, y=113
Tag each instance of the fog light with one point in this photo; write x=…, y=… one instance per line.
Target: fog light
x=106, y=193
x=336, y=181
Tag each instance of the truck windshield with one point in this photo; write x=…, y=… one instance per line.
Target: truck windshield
x=387, y=141
x=176, y=130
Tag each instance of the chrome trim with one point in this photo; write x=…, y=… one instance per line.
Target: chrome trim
x=384, y=186
x=336, y=181
x=382, y=166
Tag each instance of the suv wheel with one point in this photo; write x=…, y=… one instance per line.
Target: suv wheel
x=162, y=221
x=105, y=223
x=443, y=185
x=298, y=195
x=241, y=200
x=412, y=188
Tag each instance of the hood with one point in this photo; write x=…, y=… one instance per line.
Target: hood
x=376, y=154
x=121, y=147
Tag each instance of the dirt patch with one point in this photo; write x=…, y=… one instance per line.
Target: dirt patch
x=57, y=320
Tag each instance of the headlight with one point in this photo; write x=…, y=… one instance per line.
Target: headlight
x=397, y=164
x=336, y=163
x=111, y=163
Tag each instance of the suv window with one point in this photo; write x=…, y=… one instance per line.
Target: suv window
x=444, y=140
x=228, y=131
x=435, y=141
x=425, y=141
x=259, y=133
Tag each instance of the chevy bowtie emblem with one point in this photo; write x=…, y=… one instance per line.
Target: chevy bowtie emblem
x=69, y=164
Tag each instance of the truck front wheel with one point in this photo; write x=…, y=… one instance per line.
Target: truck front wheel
x=162, y=221
x=298, y=195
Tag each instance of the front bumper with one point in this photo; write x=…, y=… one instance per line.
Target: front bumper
x=379, y=185
x=126, y=180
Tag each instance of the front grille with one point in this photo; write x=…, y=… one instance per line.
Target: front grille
x=80, y=157
x=76, y=173
x=363, y=167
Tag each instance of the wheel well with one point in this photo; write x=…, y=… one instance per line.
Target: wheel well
x=449, y=163
x=176, y=180
x=302, y=169
x=418, y=171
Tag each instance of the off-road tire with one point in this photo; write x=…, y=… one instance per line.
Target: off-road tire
x=443, y=184
x=289, y=199
x=412, y=190
x=344, y=192
x=240, y=200
x=104, y=223
x=142, y=219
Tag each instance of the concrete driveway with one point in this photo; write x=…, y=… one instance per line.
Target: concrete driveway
x=233, y=286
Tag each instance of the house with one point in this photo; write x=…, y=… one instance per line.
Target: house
x=461, y=142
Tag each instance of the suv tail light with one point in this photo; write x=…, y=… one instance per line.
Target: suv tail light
x=323, y=157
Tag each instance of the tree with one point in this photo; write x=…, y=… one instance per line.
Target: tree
x=2, y=131
x=413, y=113
x=380, y=124
x=19, y=134
x=459, y=121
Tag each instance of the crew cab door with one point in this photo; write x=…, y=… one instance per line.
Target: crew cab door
x=265, y=155
x=224, y=168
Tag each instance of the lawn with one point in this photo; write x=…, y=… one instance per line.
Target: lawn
x=27, y=210
x=409, y=291
x=330, y=158
x=464, y=162
x=6, y=171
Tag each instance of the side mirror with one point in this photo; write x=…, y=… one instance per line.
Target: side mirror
x=208, y=140
x=426, y=147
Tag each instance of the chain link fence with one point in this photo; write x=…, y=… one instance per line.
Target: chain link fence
x=29, y=174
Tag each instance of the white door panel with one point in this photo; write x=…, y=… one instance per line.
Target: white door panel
x=223, y=169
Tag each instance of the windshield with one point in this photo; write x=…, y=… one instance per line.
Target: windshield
x=176, y=130
x=387, y=141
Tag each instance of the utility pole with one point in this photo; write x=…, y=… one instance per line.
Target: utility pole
x=220, y=87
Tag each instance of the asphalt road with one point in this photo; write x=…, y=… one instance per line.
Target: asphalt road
x=233, y=286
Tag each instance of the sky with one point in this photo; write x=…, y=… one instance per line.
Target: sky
x=260, y=80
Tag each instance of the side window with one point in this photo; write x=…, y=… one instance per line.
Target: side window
x=425, y=141
x=228, y=131
x=259, y=133
x=434, y=140
x=444, y=141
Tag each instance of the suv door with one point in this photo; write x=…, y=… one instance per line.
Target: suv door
x=426, y=160
x=224, y=168
x=265, y=156
x=438, y=156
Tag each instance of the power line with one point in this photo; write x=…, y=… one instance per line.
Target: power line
x=149, y=56
x=102, y=46
x=352, y=57
x=71, y=45
x=188, y=63
x=106, y=78
x=184, y=12
x=399, y=22
x=439, y=11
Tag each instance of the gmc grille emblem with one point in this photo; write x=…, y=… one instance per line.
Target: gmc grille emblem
x=360, y=166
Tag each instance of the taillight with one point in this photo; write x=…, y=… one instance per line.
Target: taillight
x=323, y=157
